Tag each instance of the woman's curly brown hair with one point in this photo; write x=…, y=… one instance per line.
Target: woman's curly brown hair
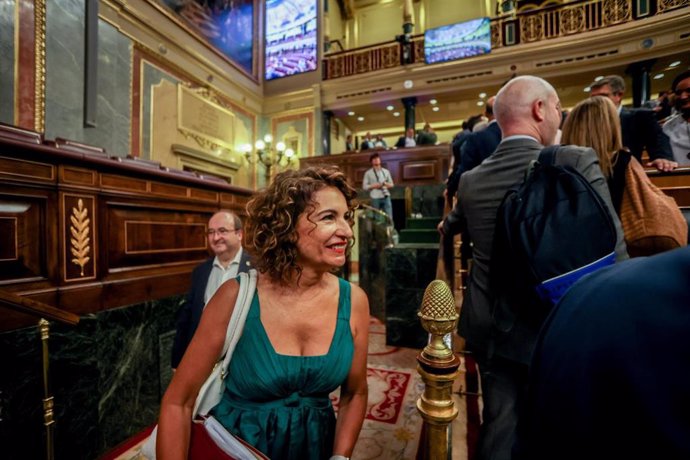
x=270, y=233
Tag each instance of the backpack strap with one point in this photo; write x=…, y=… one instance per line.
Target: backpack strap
x=547, y=156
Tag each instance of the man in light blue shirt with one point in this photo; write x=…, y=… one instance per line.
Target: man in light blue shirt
x=378, y=182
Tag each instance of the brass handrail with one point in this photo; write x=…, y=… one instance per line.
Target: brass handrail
x=34, y=308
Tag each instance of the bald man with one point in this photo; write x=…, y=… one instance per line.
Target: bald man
x=224, y=235
x=528, y=111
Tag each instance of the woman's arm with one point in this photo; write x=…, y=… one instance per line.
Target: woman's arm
x=174, y=423
x=353, y=392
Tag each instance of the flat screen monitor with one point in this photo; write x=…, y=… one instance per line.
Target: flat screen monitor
x=290, y=37
x=457, y=41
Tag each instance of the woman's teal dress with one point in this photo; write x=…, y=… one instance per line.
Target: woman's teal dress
x=279, y=403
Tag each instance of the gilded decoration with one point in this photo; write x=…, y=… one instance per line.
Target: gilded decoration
x=665, y=5
x=572, y=20
x=39, y=65
x=532, y=28
x=80, y=236
x=616, y=11
x=496, y=36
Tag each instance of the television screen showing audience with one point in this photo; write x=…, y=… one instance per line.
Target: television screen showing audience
x=457, y=41
x=290, y=37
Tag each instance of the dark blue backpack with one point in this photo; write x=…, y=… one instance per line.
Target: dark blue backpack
x=551, y=230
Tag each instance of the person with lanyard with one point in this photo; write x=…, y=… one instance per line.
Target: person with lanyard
x=378, y=182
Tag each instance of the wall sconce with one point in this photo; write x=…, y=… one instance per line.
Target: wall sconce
x=264, y=153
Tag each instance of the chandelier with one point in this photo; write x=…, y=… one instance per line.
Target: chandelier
x=266, y=154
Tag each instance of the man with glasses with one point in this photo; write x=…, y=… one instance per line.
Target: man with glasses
x=677, y=128
x=225, y=240
x=639, y=127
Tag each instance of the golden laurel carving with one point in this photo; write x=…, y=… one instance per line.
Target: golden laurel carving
x=39, y=65
x=572, y=20
x=80, y=235
x=616, y=11
x=531, y=28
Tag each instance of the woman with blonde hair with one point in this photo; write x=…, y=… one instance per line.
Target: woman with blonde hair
x=595, y=123
x=306, y=332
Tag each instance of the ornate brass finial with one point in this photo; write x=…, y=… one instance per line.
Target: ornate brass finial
x=439, y=317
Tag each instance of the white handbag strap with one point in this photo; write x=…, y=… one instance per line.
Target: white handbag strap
x=243, y=302
x=245, y=295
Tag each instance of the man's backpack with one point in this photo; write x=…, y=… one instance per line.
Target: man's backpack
x=551, y=230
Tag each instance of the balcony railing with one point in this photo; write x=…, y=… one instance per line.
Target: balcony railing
x=546, y=23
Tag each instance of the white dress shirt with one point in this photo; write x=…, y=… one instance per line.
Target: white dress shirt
x=220, y=275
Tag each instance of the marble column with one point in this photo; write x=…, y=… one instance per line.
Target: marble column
x=410, y=104
x=641, y=84
x=327, y=119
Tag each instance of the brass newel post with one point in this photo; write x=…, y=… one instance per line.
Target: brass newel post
x=48, y=419
x=438, y=366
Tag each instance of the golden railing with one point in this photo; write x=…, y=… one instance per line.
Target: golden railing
x=43, y=311
x=576, y=17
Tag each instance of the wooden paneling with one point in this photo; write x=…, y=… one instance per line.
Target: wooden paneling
x=408, y=167
x=84, y=232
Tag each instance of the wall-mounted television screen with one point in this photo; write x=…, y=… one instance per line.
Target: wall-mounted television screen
x=290, y=37
x=457, y=41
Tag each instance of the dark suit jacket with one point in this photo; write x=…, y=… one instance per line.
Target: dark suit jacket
x=479, y=146
x=610, y=368
x=401, y=142
x=641, y=131
x=480, y=194
x=189, y=314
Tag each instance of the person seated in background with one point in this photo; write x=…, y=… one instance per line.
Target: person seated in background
x=427, y=136
x=639, y=126
x=609, y=376
x=379, y=142
x=677, y=127
x=407, y=140
x=224, y=235
x=306, y=332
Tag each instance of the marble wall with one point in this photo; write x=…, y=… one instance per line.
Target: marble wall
x=65, y=80
x=152, y=76
x=409, y=269
x=7, y=15
x=108, y=375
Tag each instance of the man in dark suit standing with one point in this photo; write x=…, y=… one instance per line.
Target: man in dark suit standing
x=528, y=112
x=479, y=145
x=225, y=240
x=639, y=126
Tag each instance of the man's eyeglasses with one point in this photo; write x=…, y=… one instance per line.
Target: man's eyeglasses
x=680, y=92
x=221, y=231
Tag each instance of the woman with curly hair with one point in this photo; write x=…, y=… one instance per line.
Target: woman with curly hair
x=306, y=332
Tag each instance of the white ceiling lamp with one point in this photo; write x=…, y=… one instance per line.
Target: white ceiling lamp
x=482, y=95
x=480, y=103
x=674, y=64
x=360, y=118
x=396, y=114
x=659, y=76
x=433, y=102
x=435, y=109
x=587, y=89
x=599, y=78
x=352, y=114
x=389, y=108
